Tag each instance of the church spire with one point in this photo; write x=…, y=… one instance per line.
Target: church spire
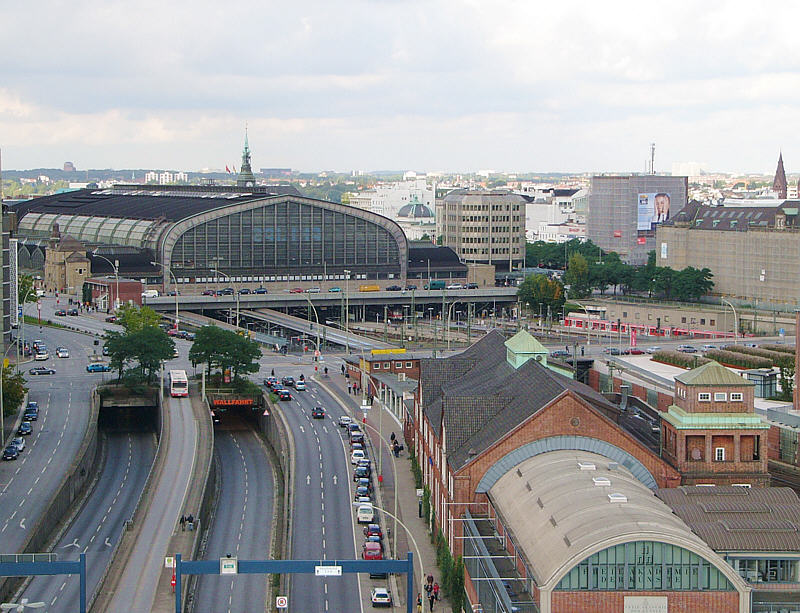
x=245, y=178
x=779, y=185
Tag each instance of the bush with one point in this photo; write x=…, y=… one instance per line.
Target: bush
x=779, y=348
x=416, y=470
x=739, y=359
x=680, y=359
x=778, y=358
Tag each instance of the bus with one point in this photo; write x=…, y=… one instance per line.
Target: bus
x=369, y=288
x=178, y=384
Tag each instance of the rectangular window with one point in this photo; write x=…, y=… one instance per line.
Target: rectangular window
x=720, y=397
x=387, y=365
x=719, y=454
x=683, y=320
x=409, y=365
x=704, y=397
x=398, y=365
x=712, y=322
x=377, y=366
x=702, y=321
x=737, y=397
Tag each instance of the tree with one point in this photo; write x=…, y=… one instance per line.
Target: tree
x=207, y=347
x=134, y=318
x=147, y=346
x=26, y=291
x=577, y=276
x=240, y=354
x=13, y=390
x=119, y=351
x=426, y=237
x=539, y=289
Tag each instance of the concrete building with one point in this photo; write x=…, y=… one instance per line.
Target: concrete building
x=417, y=220
x=66, y=266
x=624, y=212
x=484, y=227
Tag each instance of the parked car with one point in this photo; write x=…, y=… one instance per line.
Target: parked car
x=296, y=290
x=380, y=597
x=244, y=291
x=228, y=291
x=560, y=353
x=611, y=351
x=687, y=349
x=334, y=289
x=365, y=514
x=31, y=414
x=111, y=319
x=372, y=551
x=394, y=288
x=373, y=529
x=471, y=286
x=209, y=292
x=312, y=290
x=284, y=394
x=97, y=367
x=344, y=421
x=25, y=429
x=709, y=347
x=362, y=492
x=61, y=312
x=62, y=352
x=411, y=287
x=42, y=370
x=10, y=453
x=364, y=482
x=634, y=351
x=19, y=443
x=455, y=286
x=260, y=290
x=357, y=455
x=653, y=349
x=356, y=438
x=361, y=472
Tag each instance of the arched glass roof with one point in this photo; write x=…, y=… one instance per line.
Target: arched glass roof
x=92, y=229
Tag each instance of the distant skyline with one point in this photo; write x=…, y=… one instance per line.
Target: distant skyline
x=427, y=85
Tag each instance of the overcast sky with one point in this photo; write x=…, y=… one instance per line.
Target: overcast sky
x=425, y=85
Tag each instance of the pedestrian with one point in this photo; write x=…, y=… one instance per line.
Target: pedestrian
x=183, y=523
x=392, y=437
x=419, y=603
x=581, y=350
x=342, y=368
x=566, y=348
x=429, y=580
x=273, y=372
x=431, y=599
x=436, y=591
x=348, y=389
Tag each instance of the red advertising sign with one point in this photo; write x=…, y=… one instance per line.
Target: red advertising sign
x=642, y=240
x=617, y=233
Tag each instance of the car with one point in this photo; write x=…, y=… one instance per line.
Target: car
x=105, y=350
x=300, y=386
x=364, y=482
x=355, y=446
x=375, y=539
x=344, y=421
x=357, y=455
x=362, y=492
x=372, y=551
x=72, y=312
x=410, y=287
x=380, y=597
x=687, y=349
x=560, y=353
x=353, y=427
x=208, y=292
x=611, y=351
x=228, y=291
x=361, y=472
x=97, y=367
x=173, y=332
x=19, y=443
x=312, y=290
x=471, y=286
x=260, y=290
x=112, y=319
x=709, y=347
x=318, y=413
x=62, y=352
x=189, y=336
x=61, y=312
x=31, y=414
x=365, y=514
x=42, y=370
x=356, y=438
x=270, y=382
x=10, y=453
x=296, y=290
x=394, y=288
x=25, y=429
x=173, y=293
x=455, y=286
x=334, y=289
x=244, y=291
x=634, y=351
x=373, y=529
x=42, y=356
x=287, y=382
x=283, y=394
x=653, y=349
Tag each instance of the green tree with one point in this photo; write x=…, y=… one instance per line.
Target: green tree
x=240, y=354
x=120, y=351
x=134, y=318
x=13, y=390
x=26, y=291
x=664, y=281
x=207, y=347
x=539, y=289
x=146, y=347
x=577, y=276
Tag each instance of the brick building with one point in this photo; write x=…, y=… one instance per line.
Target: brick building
x=102, y=292
x=499, y=435
x=711, y=433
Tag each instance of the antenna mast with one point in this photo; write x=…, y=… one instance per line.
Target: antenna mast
x=652, y=158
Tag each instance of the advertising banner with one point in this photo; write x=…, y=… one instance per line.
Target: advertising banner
x=652, y=209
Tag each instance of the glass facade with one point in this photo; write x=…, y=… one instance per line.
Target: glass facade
x=645, y=566
x=287, y=238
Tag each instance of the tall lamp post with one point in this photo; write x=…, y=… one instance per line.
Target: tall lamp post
x=175, y=281
x=235, y=289
x=311, y=304
x=735, y=319
x=115, y=267
x=347, y=310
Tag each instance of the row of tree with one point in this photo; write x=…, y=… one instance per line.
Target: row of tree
x=224, y=349
x=138, y=351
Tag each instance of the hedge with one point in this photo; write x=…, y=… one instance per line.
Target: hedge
x=678, y=358
x=777, y=358
x=779, y=348
x=739, y=359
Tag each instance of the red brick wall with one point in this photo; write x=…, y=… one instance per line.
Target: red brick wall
x=678, y=602
x=691, y=404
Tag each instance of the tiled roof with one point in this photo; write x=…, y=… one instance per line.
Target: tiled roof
x=479, y=397
x=712, y=373
x=737, y=518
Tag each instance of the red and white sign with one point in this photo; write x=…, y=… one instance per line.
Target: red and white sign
x=617, y=233
x=281, y=602
x=642, y=240
x=633, y=337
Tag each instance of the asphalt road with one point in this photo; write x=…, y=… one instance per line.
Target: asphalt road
x=242, y=524
x=96, y=529
x=323, y=513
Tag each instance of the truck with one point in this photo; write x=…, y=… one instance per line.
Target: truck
x=435, y=285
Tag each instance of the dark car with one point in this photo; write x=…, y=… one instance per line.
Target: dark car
x=209, y=292
x=72, y=312
x=318, y=413
x=260, y=290
x=373, y=530
x=560, y=353
x=228, y=291
x=394, y=288
x=244, y=291
x=42, y=370
x=288, y=381
x=364, y=482
x=61, y=312
x=471, y=286
x=410, y=288
x=173, y=293
x=362, y=492
x=270, y=382
x=105, y=350
x=25, y=428
x=10, y=453
x=111, y=319
x=361, y=472
x=31, y=414
x=284, y=394
x=611, y=350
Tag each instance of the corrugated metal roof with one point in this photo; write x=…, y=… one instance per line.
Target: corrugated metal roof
x=712, y=373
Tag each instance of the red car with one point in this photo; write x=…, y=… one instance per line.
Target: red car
x=372, y=551
x=296, y=290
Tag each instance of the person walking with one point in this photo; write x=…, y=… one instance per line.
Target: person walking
x=348, y=389
x=436, y=591
x=431, y=599
x=419, y=603
x=183, y=523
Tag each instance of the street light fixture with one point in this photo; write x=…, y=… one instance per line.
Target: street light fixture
x=235, y=290
x=176, y=288
x=347, y=310
x=115, y=267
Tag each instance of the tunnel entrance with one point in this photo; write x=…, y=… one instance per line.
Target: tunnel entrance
x=126, y=410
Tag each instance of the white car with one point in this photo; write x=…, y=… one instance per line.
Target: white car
x=300, y=386
x=41, y=357
x=62, y=352
x=344, y=421
x=357, y=456
x=455, y=286
x=380, y=597
x=365, y=514
x=19, y=443
x=653, y=349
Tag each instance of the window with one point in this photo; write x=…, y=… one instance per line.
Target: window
x=712, y=322
x=702, y=321
x=683, y=320
x=398, y=365
x=409, y=365
x=387, y=365
x=377, y=365
x=704, y=397
x=737, y=396
x=719, y=454
x=720, y=397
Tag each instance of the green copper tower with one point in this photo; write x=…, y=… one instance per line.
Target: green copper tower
x=245, y=178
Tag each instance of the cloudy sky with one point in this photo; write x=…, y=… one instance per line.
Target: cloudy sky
x=395, y=84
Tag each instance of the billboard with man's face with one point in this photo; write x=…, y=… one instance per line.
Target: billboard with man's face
x=652, y=209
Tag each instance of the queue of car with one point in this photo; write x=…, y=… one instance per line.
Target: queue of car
x=17, y=444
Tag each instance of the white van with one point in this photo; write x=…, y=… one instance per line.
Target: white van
x=150, y=293
x=356, y=456
x=365, y=514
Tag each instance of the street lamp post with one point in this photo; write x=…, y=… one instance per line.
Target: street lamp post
x=449, y=315
x=316, y=316
x=347, y=310
x=175, y=281
x=115, y=267
x=235, y=290
x=735, y=319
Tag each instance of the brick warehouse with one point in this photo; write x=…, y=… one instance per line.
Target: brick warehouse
x=481, y=414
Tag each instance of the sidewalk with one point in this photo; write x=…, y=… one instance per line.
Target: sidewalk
x=407, y=505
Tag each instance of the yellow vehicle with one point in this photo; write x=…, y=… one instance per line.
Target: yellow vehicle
x=369, y=288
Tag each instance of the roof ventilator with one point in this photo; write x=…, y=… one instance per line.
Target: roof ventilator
x=586, y=466
x=617, y=497
x=601, y=481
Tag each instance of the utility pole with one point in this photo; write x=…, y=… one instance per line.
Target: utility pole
x=385, y=324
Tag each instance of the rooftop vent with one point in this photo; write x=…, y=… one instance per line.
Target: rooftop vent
x=528, y=486
x=519, y=473
x=586, y=466
x=540, y=503
x=601, y=481
x=613, y=465
x=617, y=497
x=553, y=521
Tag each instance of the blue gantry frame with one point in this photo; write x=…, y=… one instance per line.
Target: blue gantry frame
x=263, y=567
x=26, y=569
